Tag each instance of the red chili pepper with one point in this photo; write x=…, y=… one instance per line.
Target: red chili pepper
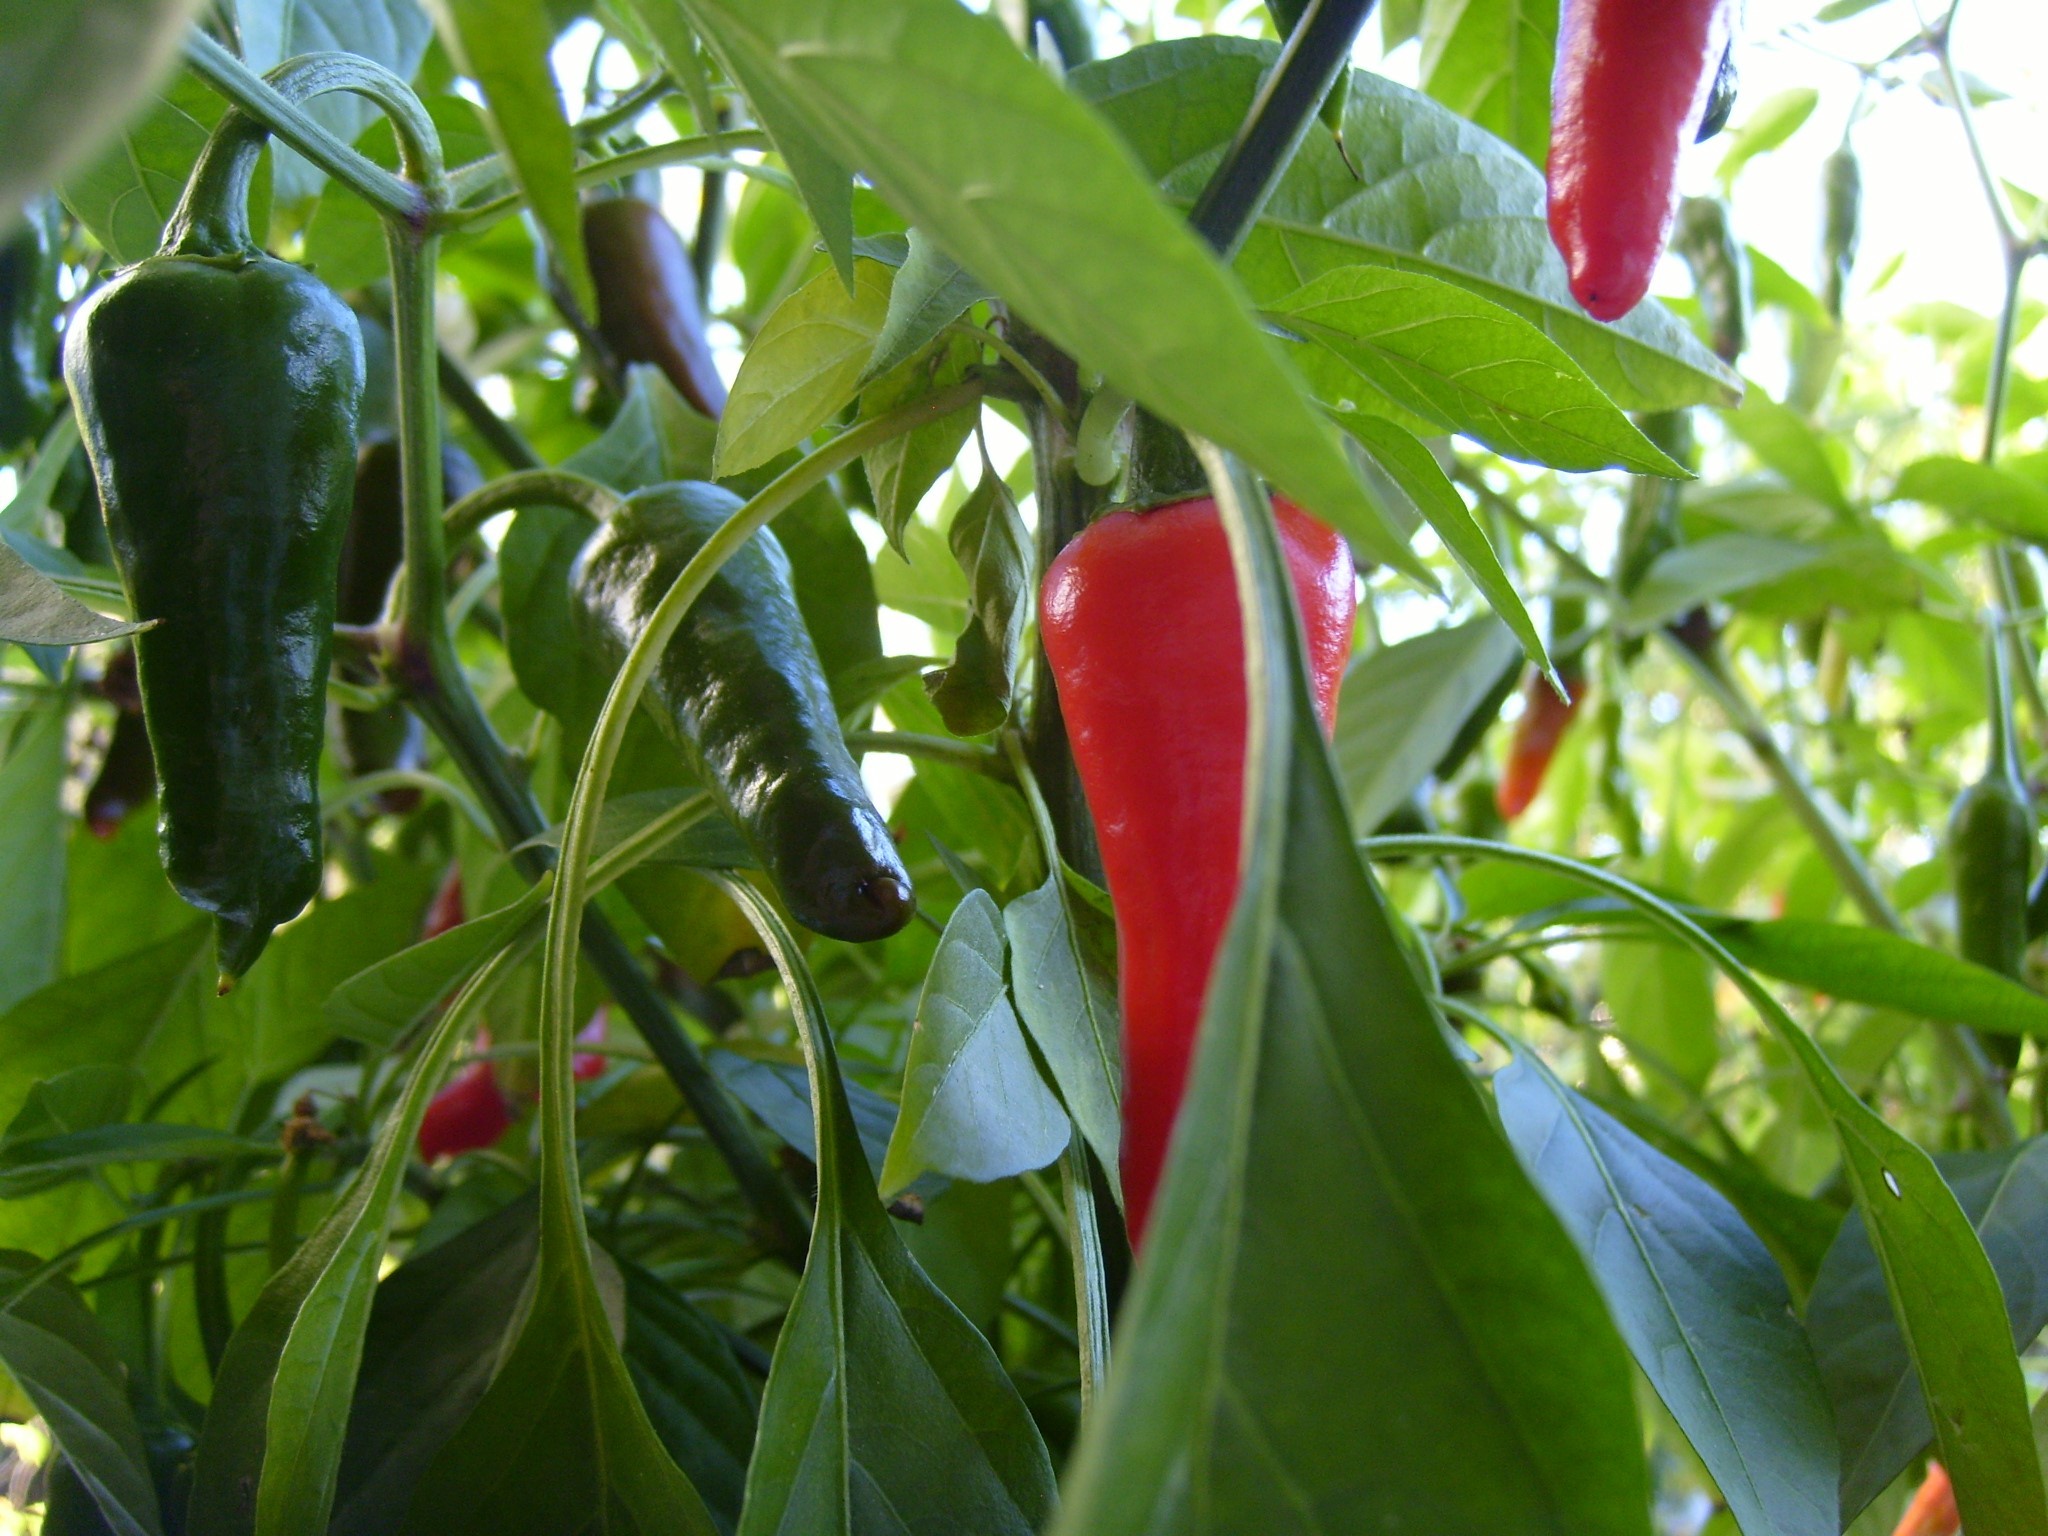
x=1933, y=1510
x=589, y=1064
x=1141, y=625
x=1544, y=720
x=1631, y=85
x=446, y=909
x=470, y=1112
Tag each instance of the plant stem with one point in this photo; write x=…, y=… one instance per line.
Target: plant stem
x=528, y=488
x=260, y=100
x=714, y=150
x=1317, y=52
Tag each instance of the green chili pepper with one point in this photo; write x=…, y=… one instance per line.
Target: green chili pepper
x=1991, y=836
x=1719, y=264
x=217, y=391
x=1841, y=224
x=741, y=692
x=28, y=315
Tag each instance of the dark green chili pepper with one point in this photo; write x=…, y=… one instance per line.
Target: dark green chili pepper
x=217, y=391
x=29, y=261
x=741, y=692
x=1991, y=837
x=1719, y=264
x=1841, y=225
x=1720, y=97
x=371, y=741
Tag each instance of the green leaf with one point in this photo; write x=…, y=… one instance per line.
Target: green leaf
x=780, y=106
x=53, y=1346
x=36, y=1163
x=1431, y=193
x=76, y=70
x=1944, y=1292
x=34, y=610
x=143, y=1008
x=1886, y=970
x=125, y=196
x=1469, y=365
x=504, y=46
x=685, y=1374
x=1789, y=444
x=1680, y=579
x=1775, y=119
x=1662, y=1000
x=1998, y=498
x=1879, y=1409
x=1020, y=183
x=779, y=1094
x=993, y=547
x=1699, y=1300
x=378, y=1005
x=434, y=1340
x=1340, y=1227
x=871, y=1346
x=32, y=828
x=901, y=470
x=1063, y=975
x=930, y=293
x=1491, y=61
x=393, y=33
x=656, y=437
x=974, y=1106
x=805, y=363
x=1414, y=469
x=1403, y=705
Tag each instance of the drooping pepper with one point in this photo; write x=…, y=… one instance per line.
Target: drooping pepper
x=127, y=775
x=471, y=1113
x=647, y=305
x=1721, y=99
x=1841, y=225
x=1991, y=838
x=28, y=315
x=1544, y=720
x=1630, y=90
x=370, y=741
x=741, y=692
x=217, y=389
x=1140, y=621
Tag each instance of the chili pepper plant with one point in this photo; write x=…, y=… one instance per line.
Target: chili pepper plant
x=793, y=768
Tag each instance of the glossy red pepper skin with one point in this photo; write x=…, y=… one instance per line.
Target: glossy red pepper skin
x=1631, y=85
x=1544, y=720
x=1141, y=625
x=470, y=1113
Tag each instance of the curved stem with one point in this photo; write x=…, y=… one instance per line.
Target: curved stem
x=712, y=150
x=276, y=111
x=975, y=755
x=528, y=488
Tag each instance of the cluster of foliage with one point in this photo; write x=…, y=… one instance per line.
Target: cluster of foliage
x=1669, y=1160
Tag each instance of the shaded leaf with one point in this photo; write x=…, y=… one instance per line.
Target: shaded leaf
x=1018, y=181
x=53, y=1346
x=974, y=1106
x=993, y=547
x=34, y=610
x=32, y=828
x=1699, y=1300
x=930, y=293
x=696, y=1397
x=1491, y=61
x=871, y=1348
